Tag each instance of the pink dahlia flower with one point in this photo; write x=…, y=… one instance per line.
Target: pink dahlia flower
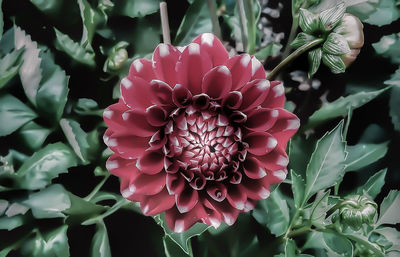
x=198, y=135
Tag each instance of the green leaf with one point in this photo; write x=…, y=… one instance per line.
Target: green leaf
x=362, y=8
x=338, y=244
x=389, y=47
x=314, y=59
x=87, y=106
x=16, y=209
x=334, y=63
x=49, y=202
x=302, y=39
x=336, y=44
x=90, y=19
x=319, y=209
x=181, y=239
x=33, y=135
x=52, y=94
x=300, y=150
x=171, y=249
x=100, y=243
x=146, y=37
x=362, y=155
x=297, y=188
x=390, y=209
x=386, y=13
x=392, y=235
x=374, y=184
x=327, y=162
x=1, y=19
x=329, y=18
x=362, y=240
x=137, y=8
x=81, y=210
x=73, y=49
x=44, y=165
x=273, y=212
x=290, y=248
x=50, y=244
x=13, y=222
x=7, y=42
x=339, y=107
x=308, y=21
x=394, y=104
x=9, y=66
x=196, y=21
x=30, y=72
x=270, y=50
x=76, y=137
x=48, y=6
x=13, y=114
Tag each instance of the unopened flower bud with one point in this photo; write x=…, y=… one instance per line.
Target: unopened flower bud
x=357, y=210
x=352, y=30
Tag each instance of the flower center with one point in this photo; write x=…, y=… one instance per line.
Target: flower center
x=204, y=145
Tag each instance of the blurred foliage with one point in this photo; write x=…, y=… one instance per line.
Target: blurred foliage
x=60, y=65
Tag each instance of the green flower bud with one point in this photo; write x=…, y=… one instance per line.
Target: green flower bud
x=357, y=210
x=117, y=57
x=117, y=60
x=351, y=29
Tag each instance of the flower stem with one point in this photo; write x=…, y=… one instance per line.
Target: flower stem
x=214, y=19
x=165, y=23
x=293, y=56
x=243, y=24
x=97, y=188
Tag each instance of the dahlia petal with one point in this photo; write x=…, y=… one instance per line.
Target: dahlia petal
x=260, y=143
x=240, y=67
x=275, y=177
x=142, y=68
x=156, y=116
x=254, y=93
x=136, y=93
x=112, y=116
x=233, y=100
x=122, y=168
x=255, y=189
x=201, y=102
x=186, y=200
x=181, y=96
x=276, y=96
x=148, y=184
x=236, y=197
x=128, y=191
x=151, y=162
x=217, y=191
x=136, y=122
x=161, y=91
x=213, y=46
x=128, y=146
x=217, y=82
x=180, y=222
x=261, y=119
x=257, y=69
x=252, y=169
x=165, y=58
x=157, y=141
x=285, y=127
x=155, y=204
x=211, y=216
x=229, y=214
x=275, y=160
x=175, y=183
x=192, y=66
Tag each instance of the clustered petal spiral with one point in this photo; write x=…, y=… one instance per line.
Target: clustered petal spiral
x=197, y=134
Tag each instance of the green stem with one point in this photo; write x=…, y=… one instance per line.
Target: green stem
x=97, y=188
x=293, y=56
x=299, y=231
x=292, y=35
x=214, y=19
x=243, y=24
x=293, y=222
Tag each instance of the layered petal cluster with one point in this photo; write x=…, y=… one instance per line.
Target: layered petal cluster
x=198, y=135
